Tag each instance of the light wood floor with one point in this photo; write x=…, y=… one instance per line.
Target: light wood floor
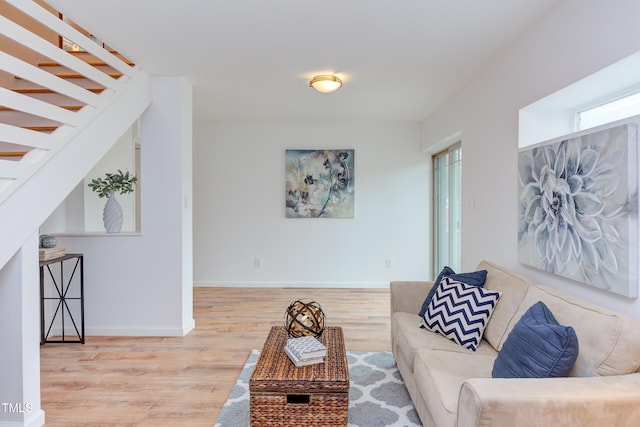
x=113, y=381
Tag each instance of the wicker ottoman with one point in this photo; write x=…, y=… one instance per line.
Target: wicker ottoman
x=286, y=396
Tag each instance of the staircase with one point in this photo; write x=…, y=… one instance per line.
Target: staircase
x=60, y=112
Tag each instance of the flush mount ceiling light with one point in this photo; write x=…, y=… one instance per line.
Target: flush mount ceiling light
x=326, y=83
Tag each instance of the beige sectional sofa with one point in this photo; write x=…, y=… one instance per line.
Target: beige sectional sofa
x=452, y=386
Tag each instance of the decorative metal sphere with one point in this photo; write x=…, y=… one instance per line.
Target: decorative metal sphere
x=304, y=317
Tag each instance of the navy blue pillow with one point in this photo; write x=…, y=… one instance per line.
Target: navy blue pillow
x=537, y=347
x=476, y=278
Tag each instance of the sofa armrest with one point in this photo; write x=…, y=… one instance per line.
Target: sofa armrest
x=408, y=296
x=584, y=402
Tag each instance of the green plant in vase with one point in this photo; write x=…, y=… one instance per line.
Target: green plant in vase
x=119, y=182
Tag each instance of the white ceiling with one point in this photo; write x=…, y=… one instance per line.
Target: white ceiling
x=251, y=60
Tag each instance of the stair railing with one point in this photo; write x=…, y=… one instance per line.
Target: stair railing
x=42, y=145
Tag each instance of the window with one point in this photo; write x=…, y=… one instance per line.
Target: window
x=608, y=112
x=578, y=106
x=447, y=174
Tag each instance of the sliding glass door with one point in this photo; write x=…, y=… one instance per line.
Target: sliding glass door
x=447, y=173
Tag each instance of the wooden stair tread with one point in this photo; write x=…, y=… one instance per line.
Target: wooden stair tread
x=80, y=52
x=71, y=76
x=80, y=76
x=13, y=153
x=92, y=63
x=66, y=107
x=41, y=128
x=84, y=52
x=45, y=90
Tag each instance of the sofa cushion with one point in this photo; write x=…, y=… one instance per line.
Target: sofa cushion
x=408, y=338
x=474, y=278
x=609, y=342
x=460, y=312
x=537, y=347
x=439, y=375
x=513, y=288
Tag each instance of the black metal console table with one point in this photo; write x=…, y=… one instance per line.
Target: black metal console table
x=63, y=291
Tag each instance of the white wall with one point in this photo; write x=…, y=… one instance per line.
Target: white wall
x=81, y=211
x=142, y=284
x=19, y=335
x=239, y=210
x=577, y=39
x=120, y=156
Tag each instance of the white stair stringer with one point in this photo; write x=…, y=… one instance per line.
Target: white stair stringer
x=29, y=200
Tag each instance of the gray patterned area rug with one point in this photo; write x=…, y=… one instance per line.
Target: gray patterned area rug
x=377, y=396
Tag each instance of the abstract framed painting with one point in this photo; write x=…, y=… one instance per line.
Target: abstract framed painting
x=319, y=183
x=578, y=208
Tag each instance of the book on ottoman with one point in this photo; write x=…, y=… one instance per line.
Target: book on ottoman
x=306, y=347
x=305, y=351
x=302, y=362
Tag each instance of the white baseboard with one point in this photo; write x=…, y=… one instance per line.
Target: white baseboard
x=188, y=327
x=32, y=419
x=125, y=332
x=69, y=333
x=342, y=285
x=139, y=332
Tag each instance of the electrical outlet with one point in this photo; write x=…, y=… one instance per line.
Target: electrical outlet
x=388, y=263
x=257, y=262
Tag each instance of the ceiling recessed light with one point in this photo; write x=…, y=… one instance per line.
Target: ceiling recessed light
x=326, y=83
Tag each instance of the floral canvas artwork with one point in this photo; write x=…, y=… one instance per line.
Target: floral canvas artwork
x=578, y=208
x=319, y=183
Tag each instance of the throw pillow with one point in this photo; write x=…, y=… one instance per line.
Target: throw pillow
x=475, y=278
x=537, y=347
x=460, y=312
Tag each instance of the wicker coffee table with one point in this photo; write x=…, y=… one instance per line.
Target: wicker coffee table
x=285, y=396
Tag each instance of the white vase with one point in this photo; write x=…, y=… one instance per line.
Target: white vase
x=112, y=215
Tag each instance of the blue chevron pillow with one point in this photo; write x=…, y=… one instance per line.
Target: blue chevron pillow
x=460, y=312
x=474, y=278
